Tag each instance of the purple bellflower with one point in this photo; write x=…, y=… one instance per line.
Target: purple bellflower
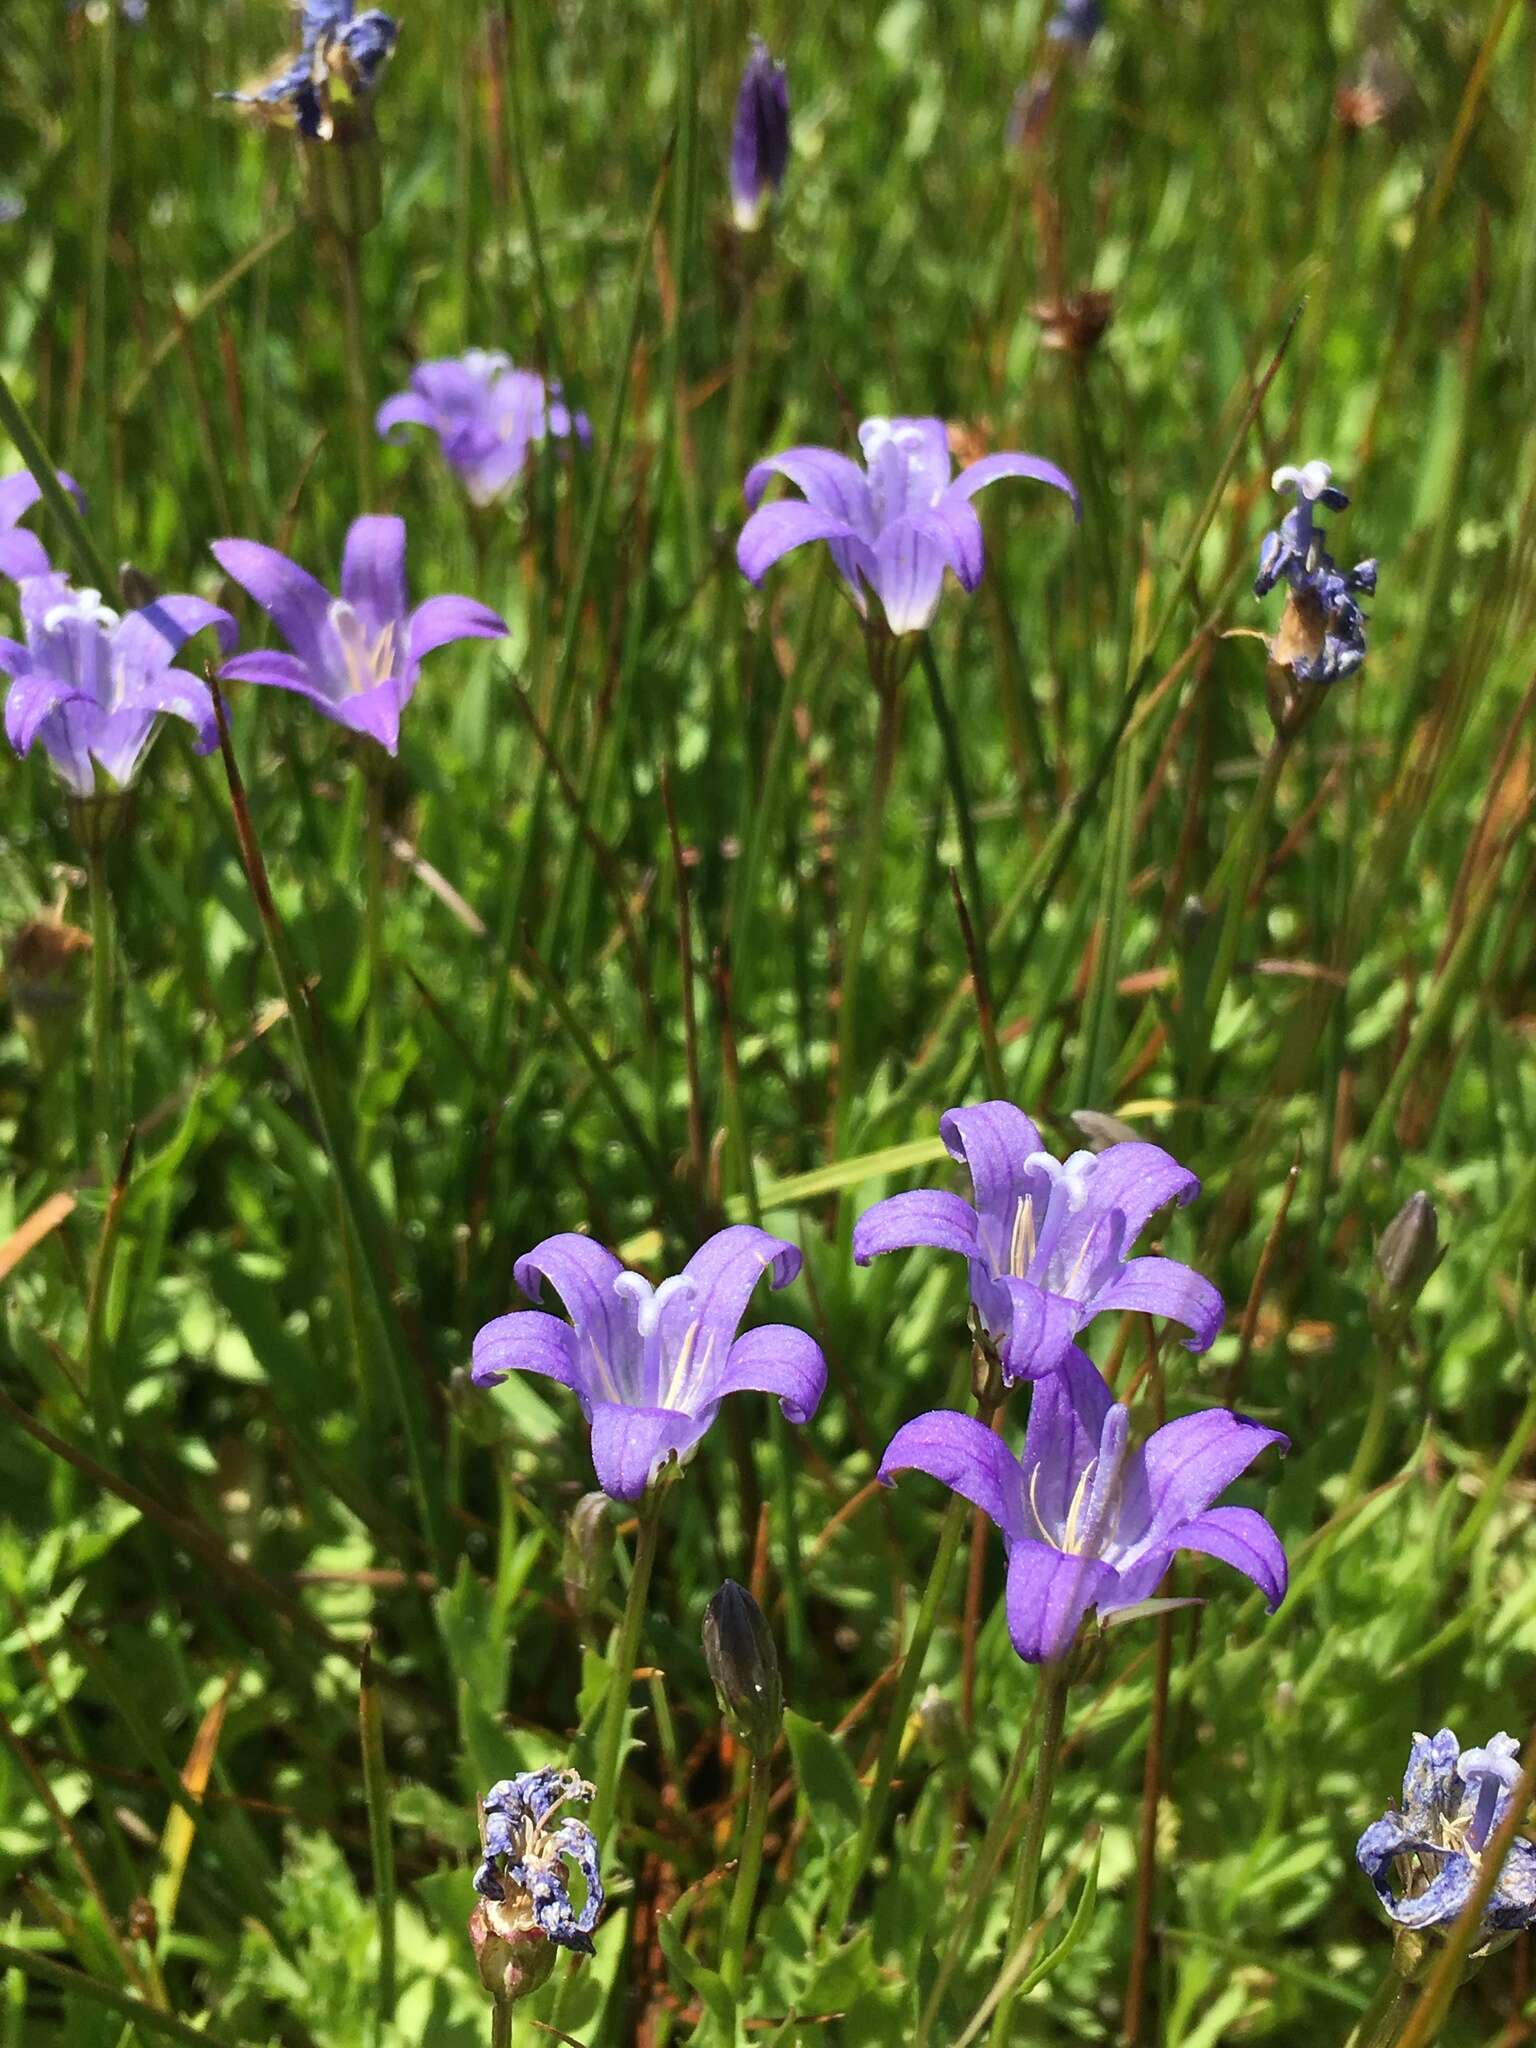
x=1322, y=634
x=523, y=1875
x=1088, y=1520
x=356, y=657
x=1424, y=1861
x=759, y=138
x=486, y=414
x=92, y=686
x=1047, y=1239
x=895, y=525
x=651, y=1366
x=22, y=553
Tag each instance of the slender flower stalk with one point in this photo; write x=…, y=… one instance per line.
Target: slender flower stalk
x=624, y=1656
x=103, y=1027
x=1382, y=2021
x=749, y=1865
x=1026, y=1885
x=887, y=733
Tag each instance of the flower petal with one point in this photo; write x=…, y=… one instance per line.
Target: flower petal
x=279, y=671
x=993, y=1141
x=373, y=571
x=442, y=620
x=527, y=1341
x=19, y=493
x=289, y=595
x=1066, y=1421
x=173, y=693
x=720, y=1278
x=152, y=636
x=31, y=699
x=776, y=1359
x=773, y=530
x=1244, y=1540
x=1163, y=1287
x=1040, y=1329
x=829, y=481
x=910, y=559
x=405, y=409
x=1184, y=1466
x=629, y=1443
x=582, y=1272
x=1049, y=1592
x=1139, y=1179
x=22, y=554
x=977, y=475
x=968, y=1458
x=925, y=1216
x=958, y=529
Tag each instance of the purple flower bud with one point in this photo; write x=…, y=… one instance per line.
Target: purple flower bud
x=1409, y=1251
x=744, y=1665
x=760, y=137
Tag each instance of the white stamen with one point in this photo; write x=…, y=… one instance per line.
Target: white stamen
x=84, y=607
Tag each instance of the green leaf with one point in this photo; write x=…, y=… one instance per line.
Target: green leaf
x=709, y=1984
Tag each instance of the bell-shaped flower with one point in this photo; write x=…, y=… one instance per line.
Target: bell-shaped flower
x=1424, y=1861
x=22, y=553
x=1089, y=1520
x=759, y=137
x=1048, y=1240
x=894, y=526
x=486, y=416
x=356, y=657
x=90, y=686
x=651, y=1366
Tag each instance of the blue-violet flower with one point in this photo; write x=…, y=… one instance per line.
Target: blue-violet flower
x=1047, y=1240
x=522, y=1877
x=895, y=525
x=651, y=1366
x=1424, y=1860
x=22, y=553
x=759, y=137
x=1088, y=1520
x=1322, y=633
x=486, y=415
x=341, y=54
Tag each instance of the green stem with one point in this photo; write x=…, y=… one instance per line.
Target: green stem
x=863, y=901
x=101, y=239
x=621, y=1676
x=501, y=2023
x=373, y=914
x=748, y=1869
x=349, y=249
x=380, y=1844
x=1382, y=2021
x=956, y=1520
x=103, y=1035
x=954, y=770
x=1363, y=1467
x=1027, y=1883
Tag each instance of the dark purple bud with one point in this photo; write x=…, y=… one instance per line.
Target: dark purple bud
x=760, y=137
x=738, y=1648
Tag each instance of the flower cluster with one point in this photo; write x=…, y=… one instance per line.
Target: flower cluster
x=486, y=416
x=522, y=1876
x=1424, y=1860
x=1322, y=633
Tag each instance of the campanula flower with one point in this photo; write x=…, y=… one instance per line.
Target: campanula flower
x=651, y=1366
x=896, y=525
x=1090, y=1521
x=1424, y=1860
x=759, y=138
x=486, y=414
x=1322, y=633
x=357, y=657
x=92, y=686
x=523, y=1876
x=1047, y=1239
x=1076, y=22
x=341, y=56
x=22, y=553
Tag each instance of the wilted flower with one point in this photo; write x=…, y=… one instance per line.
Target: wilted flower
x=1075, y=21
x=92, y=686
x=1076, y=323
x=1089, y=1521
x=651, y=1366
x=486, y=415
x=744, y=1667
x=45, y=965
x=1047, y=1239
x=356, y=657
x=341, y=54
x=760, y=137
x=895, y=525
x=1424, y=1861
x=523, y=1876
x=22, y=553
x=1322, y=632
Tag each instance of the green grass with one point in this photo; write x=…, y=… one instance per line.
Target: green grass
x=239, y=1443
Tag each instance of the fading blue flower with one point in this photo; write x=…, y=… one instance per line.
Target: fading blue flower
x=486, y=416
x=1322, y=634
x=759, y=138
x=1076, y=22
x=91, y=687
x=523, y=1876
x=1048, y=1241
x=1424, y=1860
x=651, y=1365
x=341, y=55
x=22, y=553
x=1089, y=1520
x=894, y=526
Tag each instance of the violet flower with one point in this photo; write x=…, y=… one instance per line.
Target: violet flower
x=22, y=553
x=356, y=657
x=1047, y=1240
x=523, y=1875
x=341, y=55
x=92, y=687
x=1424, y=1861
x=759, y=138
x=1089, y=1521
x=486, y=415
x=651, y=1366
x=894, y=526
x=1322, y=633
